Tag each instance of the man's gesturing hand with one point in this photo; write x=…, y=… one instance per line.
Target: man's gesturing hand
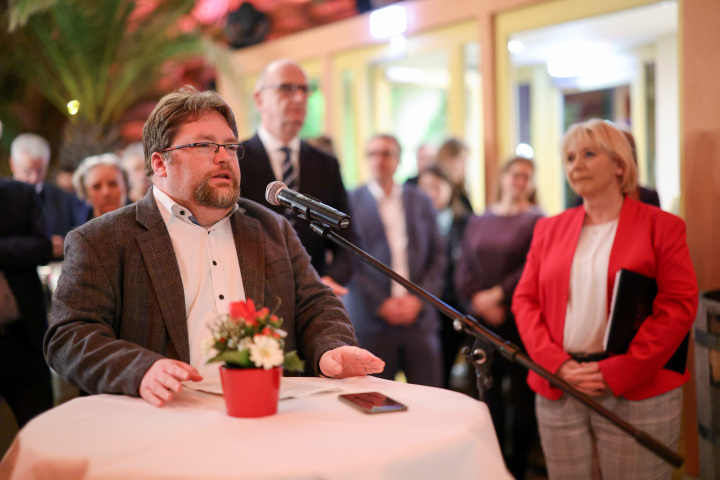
x=349, y=361
x=163, y=378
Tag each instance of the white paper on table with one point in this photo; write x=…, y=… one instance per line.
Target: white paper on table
x=290, y=387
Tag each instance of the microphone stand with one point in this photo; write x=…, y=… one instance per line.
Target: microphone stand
x=489, y=343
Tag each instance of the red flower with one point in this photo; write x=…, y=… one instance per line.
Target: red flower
x=269, y=332
x=244, y=310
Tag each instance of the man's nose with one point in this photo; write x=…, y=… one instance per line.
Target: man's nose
x=222, y=156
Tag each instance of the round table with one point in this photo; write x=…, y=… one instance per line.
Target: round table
x=443, y=434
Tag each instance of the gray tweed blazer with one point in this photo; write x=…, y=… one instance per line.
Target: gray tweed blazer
x=119, y=304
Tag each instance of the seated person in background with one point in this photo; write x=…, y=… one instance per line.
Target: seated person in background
x=133, y=162
x=141, y=285
x=102, y=183
x=63, y=180
x=396, y=224
x=29, y=160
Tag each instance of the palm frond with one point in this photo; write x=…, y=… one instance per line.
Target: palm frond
x=22, y=10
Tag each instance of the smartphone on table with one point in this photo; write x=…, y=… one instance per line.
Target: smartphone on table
x=372, y=402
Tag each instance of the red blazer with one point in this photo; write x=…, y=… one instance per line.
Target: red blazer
x=648, y=241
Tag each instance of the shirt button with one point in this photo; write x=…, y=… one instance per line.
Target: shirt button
x=214, y=262
x=222, y=297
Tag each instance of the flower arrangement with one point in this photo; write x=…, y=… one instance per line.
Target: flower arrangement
x=251, y=338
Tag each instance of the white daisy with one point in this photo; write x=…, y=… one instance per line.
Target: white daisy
x=265, y=352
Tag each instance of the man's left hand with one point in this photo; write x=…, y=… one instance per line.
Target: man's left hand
x=349, y=361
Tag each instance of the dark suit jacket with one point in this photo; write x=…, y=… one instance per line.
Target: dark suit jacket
x=426, y=258
x=24, y=246
x=319, y=178
x=58, y=210
x=119, y=305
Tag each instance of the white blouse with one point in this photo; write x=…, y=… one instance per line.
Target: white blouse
x=586, y=315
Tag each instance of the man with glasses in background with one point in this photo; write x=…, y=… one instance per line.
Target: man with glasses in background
x=141, y=285
x=277, y=153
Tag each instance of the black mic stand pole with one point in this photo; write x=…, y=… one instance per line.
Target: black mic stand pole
x=489, y=343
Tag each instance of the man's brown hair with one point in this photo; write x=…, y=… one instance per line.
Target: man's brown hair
x=176, y=109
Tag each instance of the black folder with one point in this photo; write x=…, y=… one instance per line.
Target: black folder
x=632, y=303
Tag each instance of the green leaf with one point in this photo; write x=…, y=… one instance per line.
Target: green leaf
x=293, y=362
x=234, y=358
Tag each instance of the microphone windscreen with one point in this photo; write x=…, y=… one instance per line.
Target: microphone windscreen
x=272, y=190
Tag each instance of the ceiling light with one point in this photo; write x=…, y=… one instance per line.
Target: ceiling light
x=516, y=46
x=388, y=22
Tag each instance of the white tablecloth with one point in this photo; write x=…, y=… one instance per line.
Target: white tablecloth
x=442, y=435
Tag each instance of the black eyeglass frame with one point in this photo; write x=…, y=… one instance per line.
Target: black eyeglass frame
x=239, y=154
x=291, y=88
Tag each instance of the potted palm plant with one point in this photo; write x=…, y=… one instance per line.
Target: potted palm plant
x=94, y=60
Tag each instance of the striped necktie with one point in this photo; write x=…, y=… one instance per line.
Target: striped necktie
x=289, y=178
x=289, y=175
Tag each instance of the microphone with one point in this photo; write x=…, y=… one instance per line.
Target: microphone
x=307, y=208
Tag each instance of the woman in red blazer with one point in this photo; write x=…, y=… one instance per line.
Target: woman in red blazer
x=561, y=307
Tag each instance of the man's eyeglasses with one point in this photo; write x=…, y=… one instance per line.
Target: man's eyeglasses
x=210, y=149
x=290, y=88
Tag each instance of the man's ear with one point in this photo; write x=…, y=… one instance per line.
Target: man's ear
x=257, y=97
x=158, y=163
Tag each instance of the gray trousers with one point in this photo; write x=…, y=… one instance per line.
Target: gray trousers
x=580, y=444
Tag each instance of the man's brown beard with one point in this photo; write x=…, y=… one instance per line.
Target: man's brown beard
x=207, y=196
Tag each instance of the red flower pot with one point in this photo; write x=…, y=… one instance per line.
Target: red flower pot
x=251, y=392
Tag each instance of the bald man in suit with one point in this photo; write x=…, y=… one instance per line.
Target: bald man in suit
x=141, y=285
x=281, y=97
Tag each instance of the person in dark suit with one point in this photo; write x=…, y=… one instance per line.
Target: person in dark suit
x=397, y=225
x=24, y=376
x=142, y=285
x=277, y=153
x=29, y=159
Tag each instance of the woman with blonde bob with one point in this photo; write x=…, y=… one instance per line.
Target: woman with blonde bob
x=561, y=308
x=102, y=183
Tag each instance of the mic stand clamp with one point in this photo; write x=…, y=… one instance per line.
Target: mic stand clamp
x=482, y=360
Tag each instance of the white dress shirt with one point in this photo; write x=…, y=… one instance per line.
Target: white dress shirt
x=392, y=213
x=273, y=147
x=210, y=273
x=586, y=315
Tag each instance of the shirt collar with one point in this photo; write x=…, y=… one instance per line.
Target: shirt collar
x=171, y=209
x=378, y=193
x=274, y=144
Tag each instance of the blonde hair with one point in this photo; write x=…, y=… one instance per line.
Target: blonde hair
x=602, y=135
